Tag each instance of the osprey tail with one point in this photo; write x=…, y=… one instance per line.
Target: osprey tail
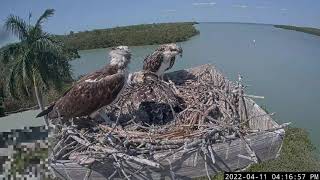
x=46, y=111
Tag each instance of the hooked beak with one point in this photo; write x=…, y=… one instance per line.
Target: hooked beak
x=130, y=81
x=180, y=51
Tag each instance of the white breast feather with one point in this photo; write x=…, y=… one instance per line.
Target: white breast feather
x=91, y=81
x=164, y=65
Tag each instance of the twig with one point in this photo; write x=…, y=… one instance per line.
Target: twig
x=206, y=166
x=120, y=166
x=113, y=174
x=171, y=170
x=88, y=174
x=211, y=154
x=253, y=96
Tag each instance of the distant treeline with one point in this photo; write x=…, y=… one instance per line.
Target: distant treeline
x=308, y=30
x=144, y=34
x=130, y=35
x=1, y=100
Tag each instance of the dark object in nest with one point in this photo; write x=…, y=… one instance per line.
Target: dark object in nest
x=150, y=102
x=86, y=123
x=148, y=113
x=154, y=113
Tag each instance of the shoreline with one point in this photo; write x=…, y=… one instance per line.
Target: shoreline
x=308, y=30
x=134, y=35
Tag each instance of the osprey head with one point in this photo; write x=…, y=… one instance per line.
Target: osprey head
x=120, y=56
x=141, y=77
x=172, y=49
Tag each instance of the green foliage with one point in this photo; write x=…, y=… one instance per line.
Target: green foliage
x=297, y=154
x=37, y=60
x=1, y=100
x=145, y=34
x=54, y=94
x=308, y=30
x=2, y=111
x=24, y=158
x=130, y=35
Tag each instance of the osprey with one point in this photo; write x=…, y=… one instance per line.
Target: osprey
x=147, y=100
x=162, y=59
x=95, y=90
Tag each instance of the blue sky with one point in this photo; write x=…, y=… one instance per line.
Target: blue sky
x=80, y=15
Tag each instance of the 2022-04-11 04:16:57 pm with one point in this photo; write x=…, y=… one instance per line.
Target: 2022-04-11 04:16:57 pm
x=272, y=175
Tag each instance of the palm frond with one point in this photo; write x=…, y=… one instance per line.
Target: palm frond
x=11, y=52
x=38, y=60
x=46, y=44
x=47, y=13
x=13, y=85
x=18, y=86
x=30, y=15
x=27, y=69
x=51, y=70
x=17, y=26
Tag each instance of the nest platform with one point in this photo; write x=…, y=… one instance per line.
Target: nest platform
x=201, y=124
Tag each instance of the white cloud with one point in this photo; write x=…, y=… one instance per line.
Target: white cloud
x=283, y=9
x=204, y=4
x=170, y=10
x=240, y=6
x=262, y=7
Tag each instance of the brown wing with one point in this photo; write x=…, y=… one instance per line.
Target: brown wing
x=105, y=71
x=86, y=97
x=101, y=73
x=153, y=62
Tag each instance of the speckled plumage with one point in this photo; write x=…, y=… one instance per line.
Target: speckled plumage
x=162, y=59
x=94, y=90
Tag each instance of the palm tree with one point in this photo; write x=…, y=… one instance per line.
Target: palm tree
x=1, y=99
x=38, y=61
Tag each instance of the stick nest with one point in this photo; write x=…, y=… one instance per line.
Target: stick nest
x=189, y=110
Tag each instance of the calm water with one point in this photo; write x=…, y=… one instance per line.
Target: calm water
x=279, y=64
